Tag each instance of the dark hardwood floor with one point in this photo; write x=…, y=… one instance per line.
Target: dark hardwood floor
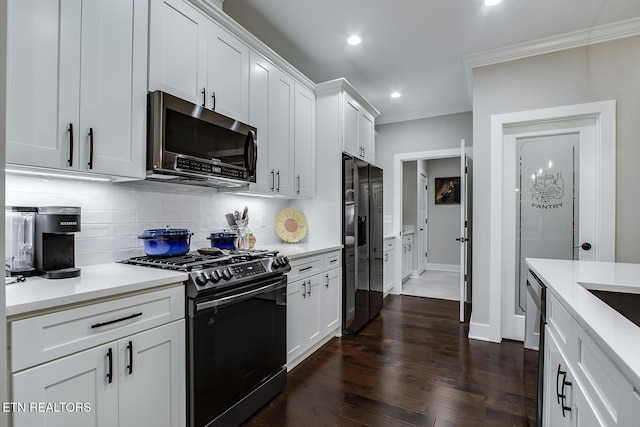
x=412, y=365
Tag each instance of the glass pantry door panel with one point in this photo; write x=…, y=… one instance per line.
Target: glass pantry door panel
x=546, y=202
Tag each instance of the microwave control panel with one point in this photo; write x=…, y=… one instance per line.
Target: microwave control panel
x=197, y=166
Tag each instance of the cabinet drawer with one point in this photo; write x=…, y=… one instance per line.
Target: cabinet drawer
x=47, y=337
x=407, y=238
x=560, y=322
x=332, y=260
x=305, y=267
x=389, y=244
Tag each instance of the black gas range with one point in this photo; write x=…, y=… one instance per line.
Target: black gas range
x=236, y=331
x=212, y=271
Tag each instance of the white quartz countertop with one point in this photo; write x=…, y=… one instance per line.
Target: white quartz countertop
x=95, y=281
x=299, y=250
x=618, y=337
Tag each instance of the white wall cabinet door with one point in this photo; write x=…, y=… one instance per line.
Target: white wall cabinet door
x=351, y=141
x=366, y=136
x=74, y=67
x=82, y=377
x=227, y=74
x=43, y=71
x=332, y=297
x=152, y=388
x=305, y=141
x=178, y=50
x=261, y=74
x=281, y=136
x=113, y=91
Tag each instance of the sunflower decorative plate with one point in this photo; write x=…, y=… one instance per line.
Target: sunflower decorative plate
x=291, y=225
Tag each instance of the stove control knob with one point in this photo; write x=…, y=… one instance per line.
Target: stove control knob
x=201, y=279
x=275, y=264
x=215, y=276
x=285, y=260
x=226, y=274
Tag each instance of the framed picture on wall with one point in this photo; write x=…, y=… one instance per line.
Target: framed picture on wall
x=447, y=190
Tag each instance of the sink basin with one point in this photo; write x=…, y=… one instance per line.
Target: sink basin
x=627, y=304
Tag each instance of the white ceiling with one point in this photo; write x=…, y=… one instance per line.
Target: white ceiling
x=416, y=47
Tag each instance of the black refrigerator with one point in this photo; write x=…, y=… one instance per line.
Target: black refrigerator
x=362, y=296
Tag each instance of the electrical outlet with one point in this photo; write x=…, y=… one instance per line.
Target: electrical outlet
x=386, y=219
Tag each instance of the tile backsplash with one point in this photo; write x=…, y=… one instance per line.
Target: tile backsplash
x=114, y=214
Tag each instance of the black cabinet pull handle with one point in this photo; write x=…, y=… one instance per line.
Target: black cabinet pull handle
x=130, y=365
x=90, y=164
x=110, y=322
x=558, y=393
x=70, y=160
x=204, y=97
x=306, y=268
x=298, y=190
x=326, y=283
x=273, y=179
x=213, y=96
x=110, y=370
x=278, y=187
x=304, y=289
x=309, y=291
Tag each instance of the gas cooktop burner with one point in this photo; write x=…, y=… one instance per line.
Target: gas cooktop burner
x=208, y=273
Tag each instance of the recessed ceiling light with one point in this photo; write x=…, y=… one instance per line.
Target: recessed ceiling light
x=354, y=40
x=491, y=2
x=396, y=94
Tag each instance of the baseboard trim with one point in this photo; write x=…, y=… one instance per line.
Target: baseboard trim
x=444, y=267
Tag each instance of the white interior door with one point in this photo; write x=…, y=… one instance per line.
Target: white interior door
x=463, y=239
x=552, y=167
x=422, y=221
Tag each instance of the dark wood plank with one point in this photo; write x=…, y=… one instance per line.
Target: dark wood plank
x=413, y=365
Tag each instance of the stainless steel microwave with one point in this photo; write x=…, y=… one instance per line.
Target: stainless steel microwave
x=189, y=144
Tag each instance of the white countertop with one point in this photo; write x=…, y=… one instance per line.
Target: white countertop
x=107, y=280
x=298, y=250
x=618, y=337
x=95, y=281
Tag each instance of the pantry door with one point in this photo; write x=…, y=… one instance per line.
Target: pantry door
x=552, y=194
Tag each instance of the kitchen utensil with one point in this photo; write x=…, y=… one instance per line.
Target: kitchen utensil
x=166, y=241
x=245, y=212
x=223, y=239
x=231, y=219
x=210, y=251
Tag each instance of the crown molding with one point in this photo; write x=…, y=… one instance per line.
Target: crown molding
x=336, y=85
x=603, y=33
x=425, y=114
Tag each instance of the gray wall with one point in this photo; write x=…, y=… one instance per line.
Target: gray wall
x=434, y=133
x=598, y=72
x=444, y=220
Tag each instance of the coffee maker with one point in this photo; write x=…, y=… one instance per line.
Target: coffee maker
x=55, y=241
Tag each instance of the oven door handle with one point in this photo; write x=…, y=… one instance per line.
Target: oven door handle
x=243, y=296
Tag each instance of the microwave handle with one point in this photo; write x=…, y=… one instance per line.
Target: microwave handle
x=250, y=153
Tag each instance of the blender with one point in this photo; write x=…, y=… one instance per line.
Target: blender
x=21, y=226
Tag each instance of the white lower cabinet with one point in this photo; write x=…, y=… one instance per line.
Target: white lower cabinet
x=389, y=249
x=135, y=379
x=580, y=376
x=314, y=296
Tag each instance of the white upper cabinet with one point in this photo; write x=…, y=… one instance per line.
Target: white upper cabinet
x=354, y=125
x=178, y=50
x=283, y=112
x=76, y=85
x=305, y=141
x=227, y=74
x=195, y=59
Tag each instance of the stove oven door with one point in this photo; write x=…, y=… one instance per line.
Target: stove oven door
x=236, y=344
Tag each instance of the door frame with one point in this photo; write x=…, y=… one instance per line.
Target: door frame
x=397, y=200
x=604, y=113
